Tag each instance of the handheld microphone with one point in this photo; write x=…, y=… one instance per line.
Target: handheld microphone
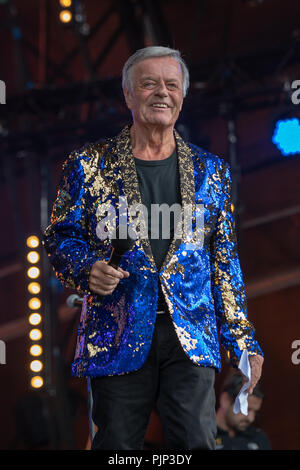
x=74, y=301
x=120, y=246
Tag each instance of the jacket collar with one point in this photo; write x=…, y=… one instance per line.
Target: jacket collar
x=131, y=185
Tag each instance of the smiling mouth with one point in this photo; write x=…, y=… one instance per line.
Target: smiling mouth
x=160, y=105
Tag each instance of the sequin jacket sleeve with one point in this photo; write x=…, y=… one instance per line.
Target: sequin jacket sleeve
x=71, y=250
x=236, y=331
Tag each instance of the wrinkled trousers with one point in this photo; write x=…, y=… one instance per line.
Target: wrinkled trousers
x=182, y=392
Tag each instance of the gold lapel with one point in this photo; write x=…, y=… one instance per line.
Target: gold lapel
x=131, y=185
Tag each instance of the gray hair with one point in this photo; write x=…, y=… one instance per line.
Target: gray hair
x=147, y=53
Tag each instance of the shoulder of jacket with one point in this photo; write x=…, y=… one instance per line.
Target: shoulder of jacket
x=91, y=154
x=215, y=162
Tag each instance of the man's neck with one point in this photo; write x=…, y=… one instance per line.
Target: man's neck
x=221, y=423
x=152, y=143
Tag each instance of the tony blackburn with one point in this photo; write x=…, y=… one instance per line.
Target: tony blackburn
x=155, y=459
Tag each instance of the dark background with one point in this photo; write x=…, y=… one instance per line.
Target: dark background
x=64, y=89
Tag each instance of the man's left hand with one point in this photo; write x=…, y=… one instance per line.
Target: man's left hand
x=256, y=363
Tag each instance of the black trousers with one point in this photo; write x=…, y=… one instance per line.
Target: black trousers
x=182, y=392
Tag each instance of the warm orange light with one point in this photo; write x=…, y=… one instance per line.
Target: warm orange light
x=35, y=334
x=33, y=257
x=65, y=3
x=35, y=319
x=32, y=241
x=37, y=381
x=33, y=272
x=36, y=350
x=34, y=288
x=34, y=303
x=36, y=365
x=65, y=16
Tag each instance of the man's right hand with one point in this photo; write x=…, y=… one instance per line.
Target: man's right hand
x=104, y=279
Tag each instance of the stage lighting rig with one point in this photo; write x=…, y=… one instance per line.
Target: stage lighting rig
x=72, y=12
x=35, y=317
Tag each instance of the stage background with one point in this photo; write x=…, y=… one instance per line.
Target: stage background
x=63, y=89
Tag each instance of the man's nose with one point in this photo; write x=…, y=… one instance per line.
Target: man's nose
x=162, y=89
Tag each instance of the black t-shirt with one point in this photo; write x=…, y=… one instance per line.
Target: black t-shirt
x=250, y=439
x=159, y=183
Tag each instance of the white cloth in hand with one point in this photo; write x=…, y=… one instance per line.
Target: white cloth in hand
x=241, y=401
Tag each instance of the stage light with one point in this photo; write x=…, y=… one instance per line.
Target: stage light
x=286, y=136
x=35, y=334
x=33, y=257
x=35, y=319
x=65, y=13
x=65, y=16
x=32, y=241
x=34, y=288
x=34, y=303
x=33, y=272
x=65, y=3
x=37, y=381
x=36, y=350
x=36, y=365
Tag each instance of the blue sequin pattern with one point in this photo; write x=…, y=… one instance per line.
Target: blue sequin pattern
x=203, y=286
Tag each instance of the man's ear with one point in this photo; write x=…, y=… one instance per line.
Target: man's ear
x=128, y=97
x=225, y=400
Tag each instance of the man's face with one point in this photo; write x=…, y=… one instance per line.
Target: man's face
x=240, y=422
x=156, y=98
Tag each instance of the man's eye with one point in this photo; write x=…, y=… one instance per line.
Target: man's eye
x=148, y=84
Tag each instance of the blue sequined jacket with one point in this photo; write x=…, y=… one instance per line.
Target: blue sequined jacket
x=203, y=287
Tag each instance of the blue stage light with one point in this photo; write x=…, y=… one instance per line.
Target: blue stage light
x=286, y=136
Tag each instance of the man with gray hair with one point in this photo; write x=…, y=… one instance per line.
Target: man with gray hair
x=149, y=329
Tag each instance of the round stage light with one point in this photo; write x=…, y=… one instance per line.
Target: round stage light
x=34, y=303
x=32, y=241
x=35, y=334
x=65, y=16
x=34, y=288
x=286, y=136
x=65, y=3
x=33, y=257
x=35, y=319
x=33, y=272
x=36, y=365
x=37, y=381
x=36, y=350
